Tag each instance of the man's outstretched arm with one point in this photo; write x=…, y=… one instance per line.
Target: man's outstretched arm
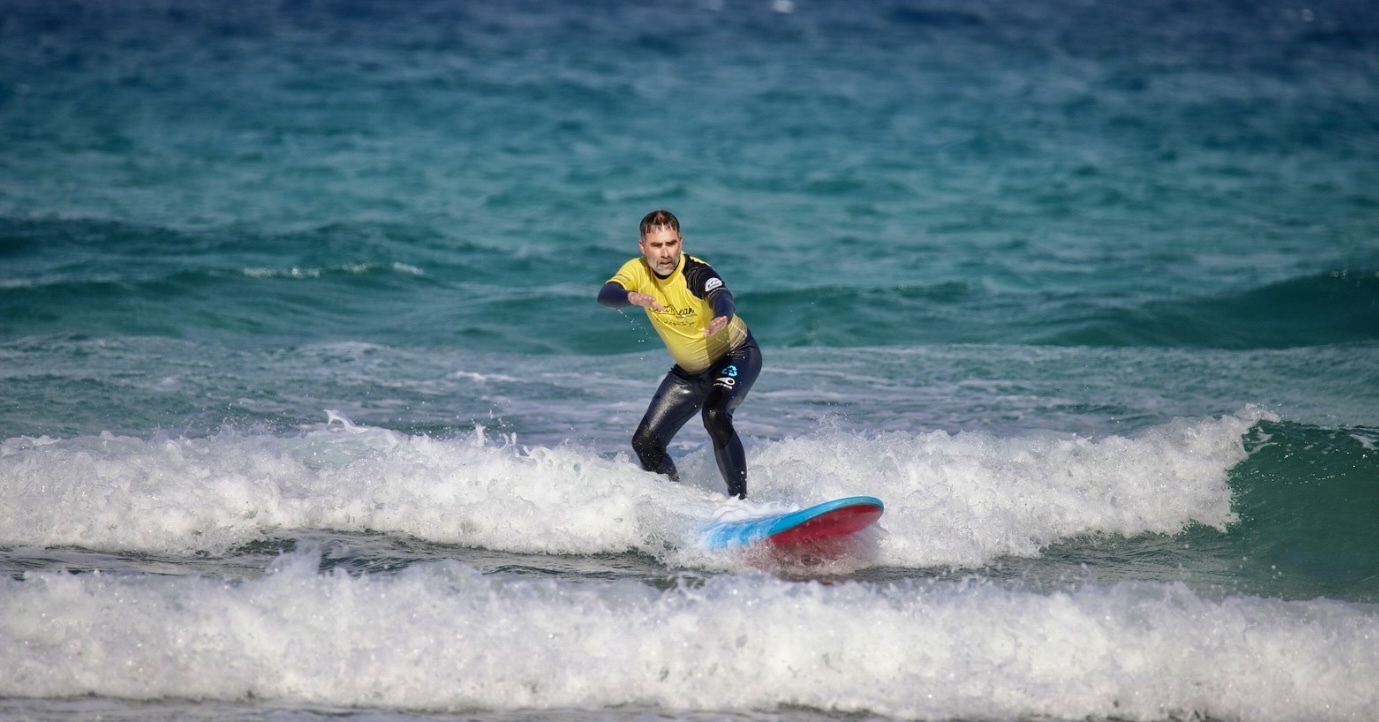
x=721, y=300
x=613, y=295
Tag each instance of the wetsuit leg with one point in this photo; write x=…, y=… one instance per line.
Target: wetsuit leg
x=732, y=379
x=674, y=403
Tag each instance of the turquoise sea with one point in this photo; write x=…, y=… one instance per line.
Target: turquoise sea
x=307, y=411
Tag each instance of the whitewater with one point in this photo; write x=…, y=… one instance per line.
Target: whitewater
x=956, y=500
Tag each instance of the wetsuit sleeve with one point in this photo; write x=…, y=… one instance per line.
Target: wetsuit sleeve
x=613, y=295
x=705, y=283
x=721, y=299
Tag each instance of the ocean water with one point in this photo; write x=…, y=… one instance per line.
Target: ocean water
x=308, y=411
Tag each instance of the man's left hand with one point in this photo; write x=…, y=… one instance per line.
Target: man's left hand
x=715, y=326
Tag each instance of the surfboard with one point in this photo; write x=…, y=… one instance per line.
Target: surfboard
x=829, y=520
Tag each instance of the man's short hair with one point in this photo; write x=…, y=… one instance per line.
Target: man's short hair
x=659, y=219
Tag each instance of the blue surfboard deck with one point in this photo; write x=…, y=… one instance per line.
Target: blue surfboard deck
x=830, y=519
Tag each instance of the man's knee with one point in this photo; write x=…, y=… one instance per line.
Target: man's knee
x=718, y=421
x=645, y=443
x=651, y=452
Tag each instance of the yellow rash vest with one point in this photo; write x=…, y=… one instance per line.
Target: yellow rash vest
x=685, y=294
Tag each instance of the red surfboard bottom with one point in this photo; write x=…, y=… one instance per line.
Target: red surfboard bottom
x=836, y=523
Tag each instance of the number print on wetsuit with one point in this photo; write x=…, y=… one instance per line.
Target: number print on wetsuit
x=727, y=378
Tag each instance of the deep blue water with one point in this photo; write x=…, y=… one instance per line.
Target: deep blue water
x=309, y=411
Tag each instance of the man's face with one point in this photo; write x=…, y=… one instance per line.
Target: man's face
x=661, y=249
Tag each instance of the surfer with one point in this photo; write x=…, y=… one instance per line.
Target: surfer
x=716, y=358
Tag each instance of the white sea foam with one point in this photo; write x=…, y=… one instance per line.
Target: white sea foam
x=957, y=500
x=964, y=499
x=179, y=495
x=442, y=636
x=361, y=268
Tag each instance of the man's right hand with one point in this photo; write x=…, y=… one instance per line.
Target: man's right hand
x=645, y=300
